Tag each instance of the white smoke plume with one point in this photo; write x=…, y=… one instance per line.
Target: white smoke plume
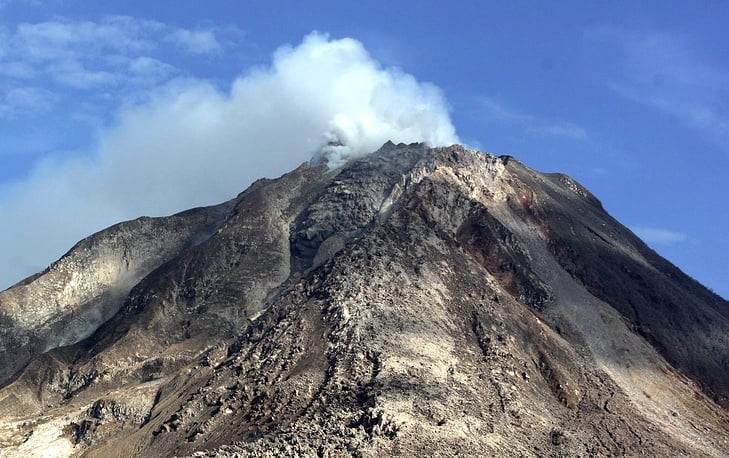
x=191, y=144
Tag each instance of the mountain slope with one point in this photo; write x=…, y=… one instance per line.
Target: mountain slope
x=74, y=296
x=415, y=301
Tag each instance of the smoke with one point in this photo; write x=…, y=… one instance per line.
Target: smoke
x=189, y=144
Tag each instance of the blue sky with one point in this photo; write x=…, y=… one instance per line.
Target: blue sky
x=629, y=98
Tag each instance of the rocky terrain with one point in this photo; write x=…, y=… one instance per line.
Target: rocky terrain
x=417, y=301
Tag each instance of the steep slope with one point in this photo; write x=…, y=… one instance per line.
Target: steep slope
x=73, y=297
x=416, y=301
x=682, y=319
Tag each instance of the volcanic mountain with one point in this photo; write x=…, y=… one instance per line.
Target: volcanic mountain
x=416, y=301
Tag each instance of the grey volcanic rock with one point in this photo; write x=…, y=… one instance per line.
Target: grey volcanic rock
x=73, y=297
x=439, y=302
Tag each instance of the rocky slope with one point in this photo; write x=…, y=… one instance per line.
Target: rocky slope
x=413, y=302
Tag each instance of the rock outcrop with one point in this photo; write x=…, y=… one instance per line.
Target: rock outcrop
x=417, y=301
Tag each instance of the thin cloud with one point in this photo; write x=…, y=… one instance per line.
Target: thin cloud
x=192, y=144
x=17, y=69
x=567, y=130
x=70, y=39
x=77, y=75
x=531, y=124
x=86, y=69
x=36, y=3
x=24, y=101
x=105, y=53
x=195, y=41
x=148, y=67
x=665, y=72
x=659, y=236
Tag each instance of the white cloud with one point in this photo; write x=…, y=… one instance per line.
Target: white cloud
x=665, y=72
x=195, y=41
x=193, y=145
x=659, y=236
x=533, y=125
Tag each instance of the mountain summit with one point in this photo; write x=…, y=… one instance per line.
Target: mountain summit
x=416, y=301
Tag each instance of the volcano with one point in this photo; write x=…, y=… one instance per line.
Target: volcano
x=413, y=302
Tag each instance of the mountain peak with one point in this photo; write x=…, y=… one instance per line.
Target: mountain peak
x=412, y=301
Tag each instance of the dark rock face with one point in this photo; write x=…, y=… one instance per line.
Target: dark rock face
x=682, y=319
x=414, y=302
